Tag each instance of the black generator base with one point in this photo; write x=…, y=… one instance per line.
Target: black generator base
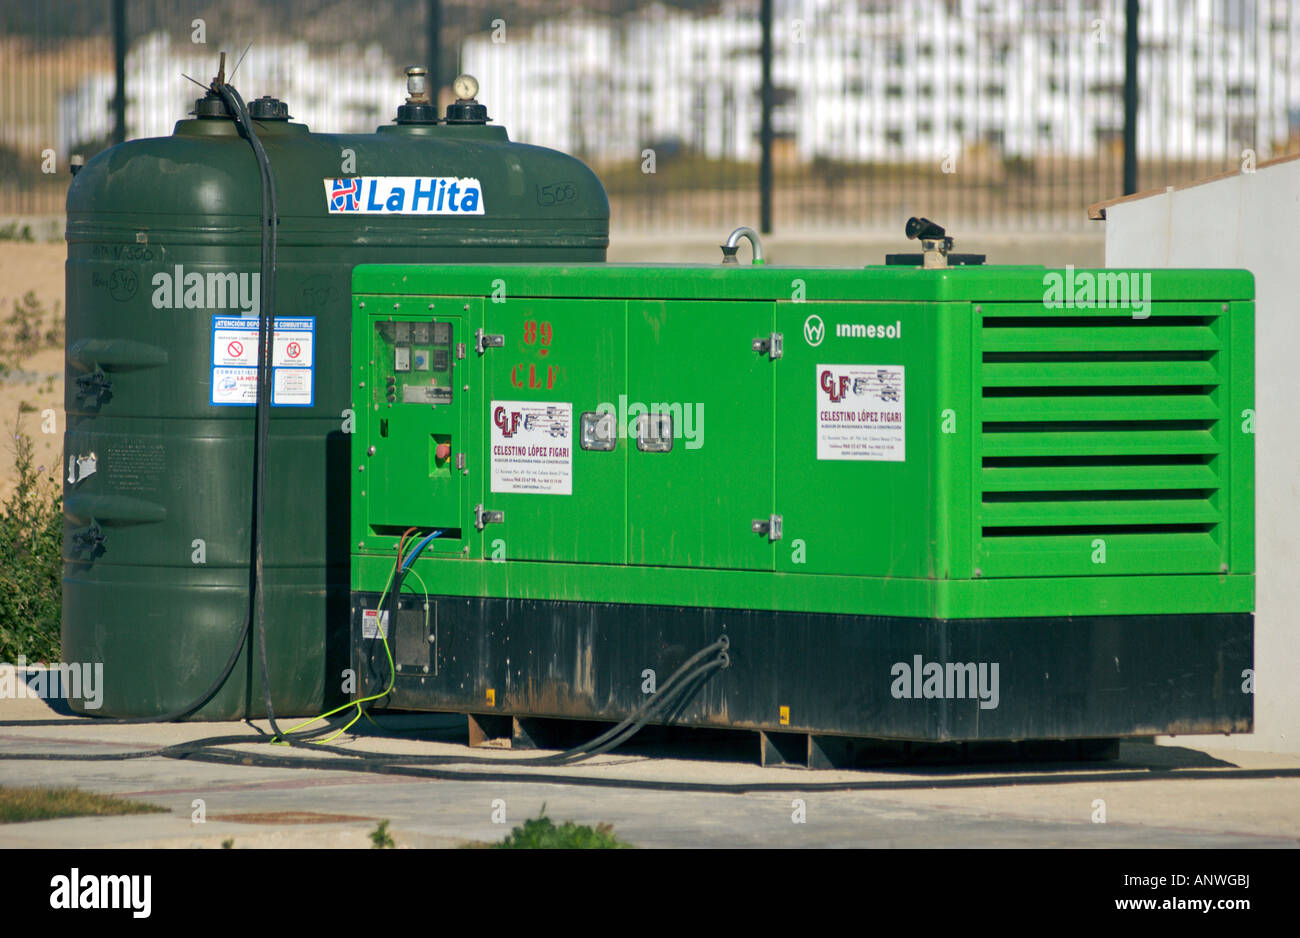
x=798, y=677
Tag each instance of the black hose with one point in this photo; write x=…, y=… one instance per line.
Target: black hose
x=261, y=435
x=799, y=784
x=189, y=708
x=268, y=260
x=262, y=419
x=683, y=680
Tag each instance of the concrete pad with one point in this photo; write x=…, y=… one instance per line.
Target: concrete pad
x=1152, y=795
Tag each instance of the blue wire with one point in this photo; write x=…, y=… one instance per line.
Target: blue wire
x=419, y=547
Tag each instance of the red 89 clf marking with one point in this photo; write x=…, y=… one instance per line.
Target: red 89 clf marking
x=531, y=332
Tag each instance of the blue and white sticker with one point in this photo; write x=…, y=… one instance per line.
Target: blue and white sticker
x=234, y=361
x=404, y=195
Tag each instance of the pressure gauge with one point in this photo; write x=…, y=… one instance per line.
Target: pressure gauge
x=466, y=87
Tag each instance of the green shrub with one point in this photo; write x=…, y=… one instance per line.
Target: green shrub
x=31, y=559
x=26, y=331
x=16, y=232
x=540, y=833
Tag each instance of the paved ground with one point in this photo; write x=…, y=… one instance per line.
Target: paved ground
x=1154, y=796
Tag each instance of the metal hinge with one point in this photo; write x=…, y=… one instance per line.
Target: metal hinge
x=483, y=341
x=460, y=460
x=771, y=527
x=460, y=349
x=483, y=518
x=773, y=346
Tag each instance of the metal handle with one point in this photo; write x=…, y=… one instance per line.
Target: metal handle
x=483, y=341
x=773, y=346
x=771, y=526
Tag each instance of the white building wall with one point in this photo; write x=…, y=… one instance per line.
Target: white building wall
x=1248, y=221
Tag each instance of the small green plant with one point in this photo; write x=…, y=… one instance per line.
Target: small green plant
x=228, y=844
x=26, y=331
x=31, y=558
x=380, y=839
x=41, y=804
x=15, y=232
x=541, y=833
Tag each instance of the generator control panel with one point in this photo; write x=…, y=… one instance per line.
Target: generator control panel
x=408, y=382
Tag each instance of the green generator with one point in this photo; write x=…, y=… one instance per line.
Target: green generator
x=913, y=502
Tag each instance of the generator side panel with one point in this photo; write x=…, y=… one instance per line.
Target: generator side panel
x=700, y=435
x=867, y=417
x=720, y=434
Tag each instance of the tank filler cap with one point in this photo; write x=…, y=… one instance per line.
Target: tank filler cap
x=267, y=108
x=211, y=105
x=419, y=107
x=466, y=109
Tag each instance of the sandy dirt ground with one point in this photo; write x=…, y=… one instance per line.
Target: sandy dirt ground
x=37, y=384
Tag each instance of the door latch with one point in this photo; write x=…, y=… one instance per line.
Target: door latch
x=771, y=527
x=773, y=346
x=483, y=518
x=484, y=341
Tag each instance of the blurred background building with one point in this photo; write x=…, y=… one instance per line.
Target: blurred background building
x=988, y=113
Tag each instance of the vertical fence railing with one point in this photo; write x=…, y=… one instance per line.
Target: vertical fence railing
x=784, y=114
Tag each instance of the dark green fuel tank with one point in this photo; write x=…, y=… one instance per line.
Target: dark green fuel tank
x=163, y=245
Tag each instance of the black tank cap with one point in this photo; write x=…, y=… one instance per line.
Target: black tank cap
x=267, y=108
x=211, y=105
x=466, y=112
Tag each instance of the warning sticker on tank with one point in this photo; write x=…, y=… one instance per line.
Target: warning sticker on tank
x=234, y=361
x=532, y=449
x=860, y=412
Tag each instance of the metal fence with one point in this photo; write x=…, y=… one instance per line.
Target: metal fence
x=846, y=113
